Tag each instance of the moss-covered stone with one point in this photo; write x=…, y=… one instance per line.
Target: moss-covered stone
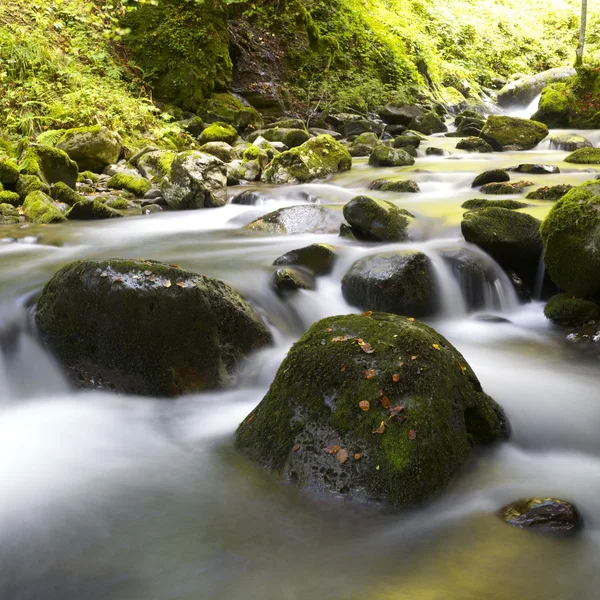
x=509, y=187
x=584, y=156
x=91, y=210
x=569, y=142
x=511, y=133
x=388, y=185
x=30, y=183
x=137, y=186
x=118, y=204
x=107, y=320
x=553, y=192
x=364, y=144
x=377, y=219
x=426, y=410
x=218, y=132
x=511, y=238
x=50, y=164
x=228, y=108
x=406, y=141
x=9, y=215
x=221, y=150
x=479, y=203
x=316, y=159
x=402, y=283
x=568, y=311
x=39, y=208
x=9, y=170
x=255, y=153
x=292, y=279
x=571, y=238
x=11, y=198
x=474, y=144
x=61, y=192
x=93, y=177
x=292, y=138
x=156, y=165
x=385, y=156
x=493, y=176
x=428, y=124
x=92, y=148
x=296, y=219
x=317, y=258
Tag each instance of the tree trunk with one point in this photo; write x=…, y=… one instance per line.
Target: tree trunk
x=582, y=27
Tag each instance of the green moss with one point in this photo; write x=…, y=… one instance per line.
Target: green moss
x=218, y=132
x=221, y=150
x=63, y=193
x=49, y=164
x=384, y=156
x=511, y=133
x=387, y=185
x=568, y=311
x=30, y=183
x=118, y=204
x=87, y=175
x=156, y=165
x=377, y=219
x=512, y=187
x=9, y=215
x=479, y=203
x=554, y=106
x=553, y=192
x=9, y=170
x=39, y=208
x=138, y=186
x=315, y=397
x=584, y=156
x=11, y=198
x=88, y=210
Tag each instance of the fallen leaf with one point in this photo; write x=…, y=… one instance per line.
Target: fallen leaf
x=369, y=373
x=401, y=364
x=411, y=318
x=167, y=283
x=341, y=338
x=175, y=266
x=385, y=402
x=436, y=346
x=181, y=284
x=343, y=369
x=413, y=358
x=462, y=368
x=357, y=456
x=250, y=419
x=364, y=405
x=117, y=280
x=398, y=408
x=412, y=434
x=296, y=448
x=332, y=449
x=328, y=330
x=395, y=378
x=369, y=313
x=147, y=273
x=342, y=456
x=381, y=428
x=365, y=346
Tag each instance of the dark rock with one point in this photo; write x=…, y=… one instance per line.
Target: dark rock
x=531, y=169
x=387, y=185
x=554, y=192
x=428, y=124
x=568, y=311
x=494, y=176
x=431, y=151
x=247, y=198
x=511, y=133
x=292, y=279
x=317, y=258
x=474, y=144
x=546, y=515
x=479, y=203
x=404, y=141
x=399, y=114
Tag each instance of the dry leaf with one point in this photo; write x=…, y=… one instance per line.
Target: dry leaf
x=381, y=428
x=436, y=346
x=251, y=419
x=332, y=449
x=117, y=280
x=412, y=434
x=357, y=456
x=296, y=448
x=328, y=330
x=343, y=369
x=369, y=313
x=341, y=338
x=401, y=364
x=411, y=318
x=342, y=456
x=167, y=283
x=175, y=266
x=462, y=368
x=147, y=273
x=398, y=408
x=385, y=402
x=365, y=346
x=413, y=358
x=395, y=378
x=181, y=284
x=364, y=405
x=369, y=373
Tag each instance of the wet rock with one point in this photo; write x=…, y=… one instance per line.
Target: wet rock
x=553, y=192
x=317, y=258
x=153, y=193
x=568, y=311
x=141, y=327
x=384, y=156
x=431, y=151
x=297, y=219
x=61, y=192
x=360, y=126
x=11, y=198
x=569, y=142
x=546, y=515
x=218, y=132
x=388, y=185
x=414, y=427
x=9, y=215
x=494, y=176
x=479, y=203
x=40, y=208
x=399, y=114
x=584, y=156
x=364, y=144
x=474, y=144
x=89, y=210
x=292, y=279
x=92, y=148
x=511, y=238
x=428, y=123
x=155, y=166
x=151, y=209
x=49, y=164
x=221, y=150
x=571, y=244
x=492, y=319
x=377, y=219
x=508, y=187
x=402, y=283
x=406, y=141
x=511, y=133
x=316, y=159
x=531, y=169
x=196, y=180
x=247, y=198
x=523, y=90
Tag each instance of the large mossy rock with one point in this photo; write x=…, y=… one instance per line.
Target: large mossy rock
x=142, y=327
x=92, y=148
x=568, y=311
x=428, y=124
x=40, y=208
x=377, y=219
x=196, y=180
x=571, y=235
x=91, y=210
x=385, y=156
x=474, y=144
x=316, y=159
x=511, y=238
x=511, y=133
x=48, y=164
x=156, y=165
x=296, y=219
x=525, y=89
x=377, y=407
x=9, y=170
x=402, y=283
x=584, y=156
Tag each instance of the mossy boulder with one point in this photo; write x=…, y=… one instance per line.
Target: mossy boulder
x=571, y=235
x=398, y=113
x=9, y=215
x=40, y=208
x=479, y=203
x=226, y=107
x=474, y=144
x=569, y=142
x=156, y=165
x=493, y=176
x=256, y=154
x=406, y=141
x=364, y=144
x=508, y=187
x=61, y=192
x=218, y=132
x=511, y=238
x=553, y=192
x=385, y=156
x=142, y=327
x=221, y=150
x=292, y=279
x=568, y=311
x=316, y=159
x=30, y=183
x=402, y=283
x=584, y=156
x=428, y=123
x=292, y=138
x=9, y=170
x=92, y=148
x=51, y=165
x=545, y=515
x=375, y=408
x=317, y=258
x=196, y=180
x=296, y=219
x=511, y=133
x=377, y=219
x=388, y=185
x=524, y=89
x=137, y=186
x=84, y=175
x=11, y=198
x=91, y=210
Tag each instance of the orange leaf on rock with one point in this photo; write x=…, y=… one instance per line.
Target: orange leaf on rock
x=365, y=346
x=342, y=455
x=385, y=402
x=251, y=418
x=381, y=428
x=343, y=368
x=332, y=449
x=395, y=378
x=413, y=357
x=364, y=405
x=296, y=448
x=369, y=313
x=369, y=373
x=436, y=346
x=341, y=338
x=117, y=280
x=412, y=434
x=398, y=408
x=357, y=456
x=167, y=283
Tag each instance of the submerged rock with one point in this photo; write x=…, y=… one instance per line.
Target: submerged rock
x=479, y=203
x=291, y=279
x=377, y=219
x=569, y=142
x=141, y=327
x=546, y=515
x=511, y=133
x=297, y=219
x=508, y=187
x=535, y=169
x=92, y=148
x=375, y=407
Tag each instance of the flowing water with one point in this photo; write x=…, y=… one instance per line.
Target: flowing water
x=105, y=497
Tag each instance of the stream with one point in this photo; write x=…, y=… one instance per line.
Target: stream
x=105, y=497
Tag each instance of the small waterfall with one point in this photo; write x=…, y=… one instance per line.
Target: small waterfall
x=451, y=301
x=524, y=112
x=539, y=279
